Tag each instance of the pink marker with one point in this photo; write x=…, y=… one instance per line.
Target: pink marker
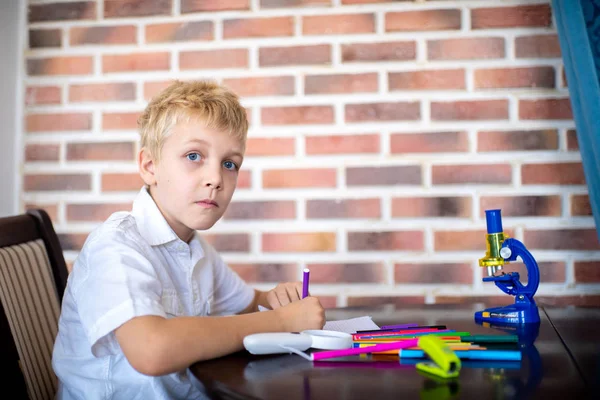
x=322, y=355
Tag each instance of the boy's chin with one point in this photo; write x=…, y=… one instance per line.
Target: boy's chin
x=202, y=225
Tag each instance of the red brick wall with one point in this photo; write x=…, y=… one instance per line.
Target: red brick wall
x=380, y=133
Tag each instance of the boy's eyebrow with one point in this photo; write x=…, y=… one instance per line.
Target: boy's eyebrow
x=204, y=142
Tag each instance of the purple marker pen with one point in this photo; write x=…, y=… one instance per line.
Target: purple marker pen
x=305, y=277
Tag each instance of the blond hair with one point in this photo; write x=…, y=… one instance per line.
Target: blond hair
x=216, y=106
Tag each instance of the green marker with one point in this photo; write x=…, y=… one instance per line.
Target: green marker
x=490, y=339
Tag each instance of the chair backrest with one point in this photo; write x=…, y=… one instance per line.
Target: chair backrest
x=33, y=276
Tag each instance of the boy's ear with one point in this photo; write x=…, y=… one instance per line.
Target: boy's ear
x=146, y=166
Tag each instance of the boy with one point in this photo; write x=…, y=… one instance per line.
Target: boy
x=142, y=300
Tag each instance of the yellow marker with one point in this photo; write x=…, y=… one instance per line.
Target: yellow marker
x=445, y=362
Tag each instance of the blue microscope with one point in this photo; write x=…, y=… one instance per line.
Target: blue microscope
x=501, y=250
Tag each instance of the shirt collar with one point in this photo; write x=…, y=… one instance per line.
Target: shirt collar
x=152, y=225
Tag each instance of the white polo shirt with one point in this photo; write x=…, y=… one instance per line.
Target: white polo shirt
x=134, y=265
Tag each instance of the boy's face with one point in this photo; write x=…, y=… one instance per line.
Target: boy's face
x=196, y=176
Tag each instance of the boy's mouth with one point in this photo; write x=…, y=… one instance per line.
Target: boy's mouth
x=207, y=203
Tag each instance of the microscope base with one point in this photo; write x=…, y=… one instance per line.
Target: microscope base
x=518, y=313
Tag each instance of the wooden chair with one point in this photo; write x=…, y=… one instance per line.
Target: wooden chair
x=33, y=276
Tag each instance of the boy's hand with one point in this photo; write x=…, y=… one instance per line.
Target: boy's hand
x=284, y=294
x=302, y=315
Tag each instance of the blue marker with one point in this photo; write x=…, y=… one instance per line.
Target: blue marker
x=507, y=355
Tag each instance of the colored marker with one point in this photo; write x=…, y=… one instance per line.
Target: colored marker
x=305, y=277
x=401, y=332
x=491, y=338
x=401, y=326
x=411, y=328
x=321, y=355
x=507, y=355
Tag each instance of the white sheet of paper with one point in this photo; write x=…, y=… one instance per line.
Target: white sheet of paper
x=345, y=325
x=351, y=325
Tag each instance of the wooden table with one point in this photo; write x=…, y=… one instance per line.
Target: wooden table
x=562, y=360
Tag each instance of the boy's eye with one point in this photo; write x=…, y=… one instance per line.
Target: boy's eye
x=193, y=156
x=230, y=165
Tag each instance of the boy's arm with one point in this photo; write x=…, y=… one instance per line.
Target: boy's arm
x=158, y=346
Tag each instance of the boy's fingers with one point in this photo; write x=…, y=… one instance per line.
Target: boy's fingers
x=292, y=292
x=282, y=296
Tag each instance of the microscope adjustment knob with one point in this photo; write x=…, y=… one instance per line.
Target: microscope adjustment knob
x=505, y=252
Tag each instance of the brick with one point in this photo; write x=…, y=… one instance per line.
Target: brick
x=44, y=38
x=462, y=240
x=298, y=242
x=447, y=79
x=272, y=272
x=293, y=3
x=56, y=182
x=244, y=179
x=136, y=8
x=338, y=24
x=384, y=176
x=42, y=152
x=581, y=300
x=553, y=174
x=179, y=32
x=486, y=174
x=345, y=208
x=261, y=210
x=572, y=141
x=213, y=59
x=294, y=55
x=299, y=178
x=426, y=20
x=580, y=205
x=298, y=115
x=35, y=95
x=158, y=61
x=270, y=147
x=77, y=10
x=51, y=209
x=429, y=142
x=58, y=122
x=258, y=27
x=74, y=65
x=469, y=110
x=341, y=83
x=538, y=15
x=102, y=92
x=151, y=89
x=261, y=86
x=381, y=51
x=545, y=109
x=94, y=212
x=72, y=241
x=431, y=207
x=229, y=242
x=119, y=121
x=546, y=139
x=105, y=35
x=561, y=239
x=343, y=144
x=347, y=273
x=585, y=271
x=465, y=49
x=121, y=182
x=502, y=300
x=526, y=77
x=190, y=6
x=397, y=111
x=371, y=301
x=550, y=272
x=457, y=273
x=386, y=241
x=537, y=46
x=117, y=151
x=522, y=206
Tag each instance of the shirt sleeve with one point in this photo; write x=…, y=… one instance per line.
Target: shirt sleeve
x=117, y=284
x=232, y=295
